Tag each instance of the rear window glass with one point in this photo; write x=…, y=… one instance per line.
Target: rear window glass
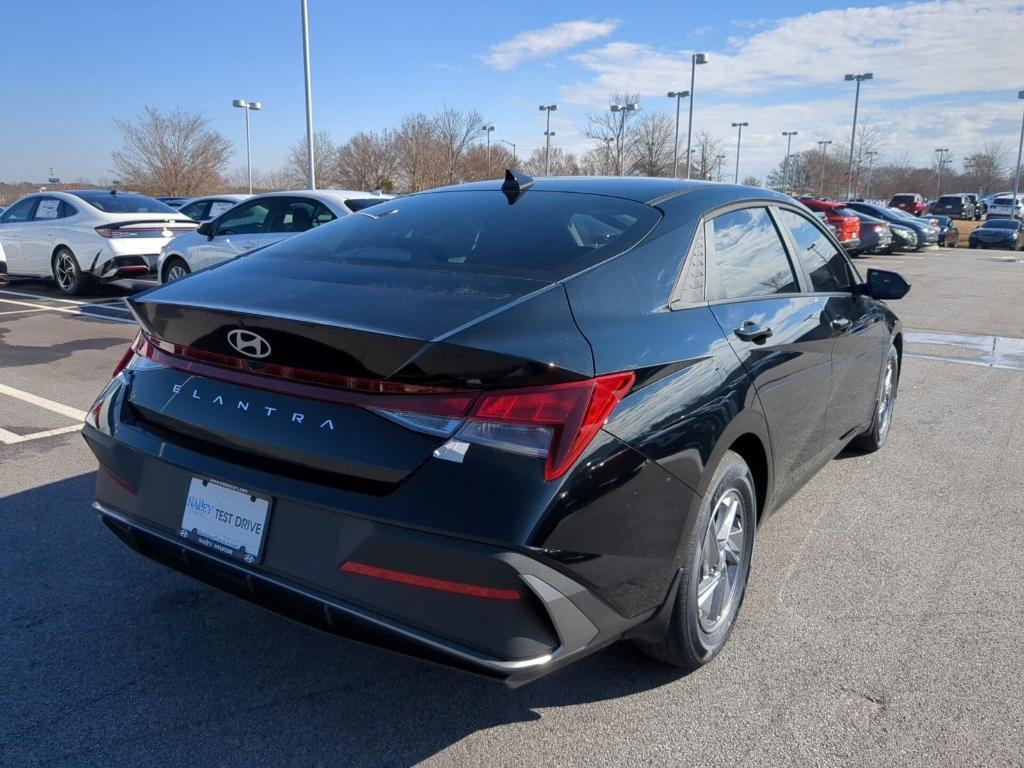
x=903, y=199
x=1001, y=224
x=543, y=235
x=124, y=203
x=359, y=203
x=951, y=199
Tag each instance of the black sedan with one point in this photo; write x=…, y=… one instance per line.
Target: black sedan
x=499, y=425
x=926, y=234
x=997, y=233
x=949, y=234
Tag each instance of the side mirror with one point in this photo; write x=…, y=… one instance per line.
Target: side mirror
x=883, y=284
x=206, y=228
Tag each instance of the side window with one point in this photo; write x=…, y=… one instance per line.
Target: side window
x=823, y=262
x=748, y=258
x=217, y=207
x=66, y=209
x=196, y=210
x=47, y=210
x=20, y=211
x=297, y=216
x=246, y=219
x=323, y=215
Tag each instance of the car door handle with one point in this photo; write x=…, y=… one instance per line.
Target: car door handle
x=751, y=331
x=841, y=324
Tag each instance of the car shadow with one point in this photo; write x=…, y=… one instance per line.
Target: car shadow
x=112, y=658
x=16, y=355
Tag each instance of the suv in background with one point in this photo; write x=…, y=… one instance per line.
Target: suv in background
x=844, y=222
x=911, y=202
x=1003, y=207
x=957, y=206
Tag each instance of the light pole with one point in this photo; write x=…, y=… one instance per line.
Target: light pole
x=785, y=166
x=1016, y=175
x=853, y=136
x=511, y=144
x=871, y=166
x=941, y=152
x=548, y=133
x=824, y=152
x=247, y=106
x=678, y=96
x=309, y=95
x=739, y=138
x=622, y=109
x=721, y=162
x=487, y=129
x=695, y=59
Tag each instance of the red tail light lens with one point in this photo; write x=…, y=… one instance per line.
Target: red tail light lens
x=561, y=420
x=127, y=356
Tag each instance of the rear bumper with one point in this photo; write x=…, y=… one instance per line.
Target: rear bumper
x=107, y=268
x=850, y=245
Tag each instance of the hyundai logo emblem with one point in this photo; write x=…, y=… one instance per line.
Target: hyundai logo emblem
x=249, y=343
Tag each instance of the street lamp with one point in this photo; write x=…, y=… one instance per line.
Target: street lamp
x=511, y=144
x=622, y=109
x=721, y=162
x=853, y=137
x=941, y=152
x=678, y=96
x=824, y=151
x=248, y=106
x=1016, y=175
x=309, y=96
x=487, y=129
x=695, y=59
x=739, y=137
x=785, y=166
x=871, y=166
x=548, y=133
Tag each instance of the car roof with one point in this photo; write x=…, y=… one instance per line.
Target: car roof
x=337, y=195
x=642, y=189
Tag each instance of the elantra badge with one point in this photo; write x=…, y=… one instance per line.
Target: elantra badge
x=249, y=343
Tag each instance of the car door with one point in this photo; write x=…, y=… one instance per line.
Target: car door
x=238, y=231
x=295, y=215
x=39, y=234
x=854, y=322
x=779, y=333
x=12, y=226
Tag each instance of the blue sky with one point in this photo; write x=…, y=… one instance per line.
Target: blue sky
x=946, y=72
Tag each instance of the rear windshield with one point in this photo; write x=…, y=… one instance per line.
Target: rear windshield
x=124, y=203
x=903, y=199
x=844, y=212
x=543, y=235
x=1001, y=224
x=1003, y=201
x=359, y=203
x=951, y=199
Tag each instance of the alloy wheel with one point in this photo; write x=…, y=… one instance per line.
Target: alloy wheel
x=721, y=561
x=176, y=272
x=887, y=398
x=65, y=271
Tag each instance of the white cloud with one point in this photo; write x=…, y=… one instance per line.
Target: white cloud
x=938, y=47
x=542, y=43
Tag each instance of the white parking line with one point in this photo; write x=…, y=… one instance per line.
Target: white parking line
x=11, y=438
x=80, y=311
x=37, y=297
x=42, y=402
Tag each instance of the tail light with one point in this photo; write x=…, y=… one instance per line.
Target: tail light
x=555, y=422
x=112, y=232
x=127, y=356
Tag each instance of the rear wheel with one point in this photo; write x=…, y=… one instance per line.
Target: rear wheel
x=713, y=579
x=175, y=269
x=876, y=435
x=66, y=272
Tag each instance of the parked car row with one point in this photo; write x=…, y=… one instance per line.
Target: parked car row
x=87, y=236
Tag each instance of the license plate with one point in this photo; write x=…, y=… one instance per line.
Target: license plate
x=226, y=519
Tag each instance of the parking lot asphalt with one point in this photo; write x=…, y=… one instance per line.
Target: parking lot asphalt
x=883, y=624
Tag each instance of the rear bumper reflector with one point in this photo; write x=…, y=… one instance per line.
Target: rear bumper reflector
x=441, y=585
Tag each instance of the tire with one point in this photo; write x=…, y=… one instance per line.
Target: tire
x=177, y=265
x=875, y=436
x=698, y=628
x=67, y=274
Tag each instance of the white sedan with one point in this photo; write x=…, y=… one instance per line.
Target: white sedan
x=86, y=236
x=211, y=206
x=257, y=222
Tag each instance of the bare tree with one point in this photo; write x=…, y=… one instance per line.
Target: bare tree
x=615, y=128
x=563, y=163
x=705, y=163
x=296, y=162
x=988, y=168
x=456, y=130
x=172, y=153
x=751, y=181
x=369, y=161
x=651, y=151
x=419, y=153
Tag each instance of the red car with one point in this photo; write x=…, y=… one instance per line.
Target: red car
x=911, y=202
x=845, y=223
